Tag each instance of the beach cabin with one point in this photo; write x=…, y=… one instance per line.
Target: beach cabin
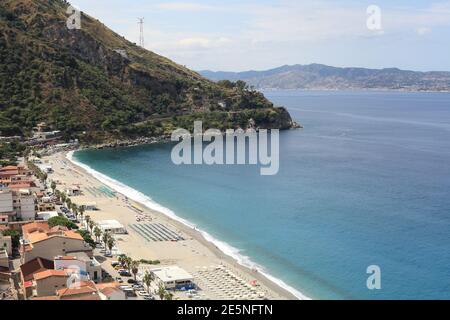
x=174, y=278
x=112, y=226
x=89, y=206
x=73, y=191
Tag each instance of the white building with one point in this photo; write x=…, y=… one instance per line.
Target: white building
x=4, y=219
x=4, y=260
x=87, y=206
x=112, y=226
x=173, y=277
x=6, y=244
x=24, y=205
x=88, y=268
x=6, y=202
x=46, y=215
x=46, y=168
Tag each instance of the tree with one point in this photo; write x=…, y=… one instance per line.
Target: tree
x=148, y=279
x=127, y=263
x=111, y=243
x=134, y=266
x=53, y=186
x=168, y=296
x=87, y=238
x=75, y=209
x=15, y=237
x=122, y=259
x=81, y=211
x=97, y=233
x=161, y=292
x=105, y=239
x=61, y=221
x=88, y=218
x=91, y=225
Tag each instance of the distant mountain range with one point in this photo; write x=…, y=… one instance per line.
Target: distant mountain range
x=317, y=76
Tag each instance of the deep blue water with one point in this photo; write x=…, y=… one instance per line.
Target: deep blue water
x=366, y=182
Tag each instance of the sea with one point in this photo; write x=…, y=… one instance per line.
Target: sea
x=365, y=184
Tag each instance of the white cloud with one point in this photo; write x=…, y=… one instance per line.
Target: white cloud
x=201, y=43
x=185, y=6
x=423, y=31
x=194, y=43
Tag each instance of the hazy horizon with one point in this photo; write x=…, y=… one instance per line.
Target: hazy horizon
x=328, y=65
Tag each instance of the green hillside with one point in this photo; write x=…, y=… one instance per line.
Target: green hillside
x=94, y=84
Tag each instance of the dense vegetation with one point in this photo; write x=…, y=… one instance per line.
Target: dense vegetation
x=9, y=151
x=79, y=82
x=87, y=237
x=62, y=221
x=15, y=238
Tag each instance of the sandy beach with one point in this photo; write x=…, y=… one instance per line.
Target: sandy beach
x=218, y=275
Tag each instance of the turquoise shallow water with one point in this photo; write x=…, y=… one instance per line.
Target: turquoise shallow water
x=367, y=181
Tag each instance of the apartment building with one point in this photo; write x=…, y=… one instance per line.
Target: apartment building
x=39, y=240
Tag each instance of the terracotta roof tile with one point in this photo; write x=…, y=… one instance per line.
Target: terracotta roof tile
x=36, y=265
x=50, y=273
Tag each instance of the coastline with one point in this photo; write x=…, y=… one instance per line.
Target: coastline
x=220, y=249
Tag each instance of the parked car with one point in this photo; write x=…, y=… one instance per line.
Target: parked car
x=142, y=293
x=130, y=294
x=131, y=281
x=125, y=273
x=119, y=280
x=113, y=263
x=148, y=297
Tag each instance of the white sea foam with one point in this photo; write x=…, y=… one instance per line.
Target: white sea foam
x=227, y=249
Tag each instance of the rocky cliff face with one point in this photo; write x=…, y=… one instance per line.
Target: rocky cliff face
x=93, y=80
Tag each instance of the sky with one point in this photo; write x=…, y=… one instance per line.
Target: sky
x=232, y=35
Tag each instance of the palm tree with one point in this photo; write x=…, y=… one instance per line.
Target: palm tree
x=97, y=233
x=75, y=209
x=68, y=202
x=81, y=212
x=53, y=186
x=111, y=243
x=105, y=239
x=128, y=262
x=122, y=259
x=148, y=279
x=87, y=219
x=168, y=296
x=161, y=292
x=91, y=225
x=134, y=266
